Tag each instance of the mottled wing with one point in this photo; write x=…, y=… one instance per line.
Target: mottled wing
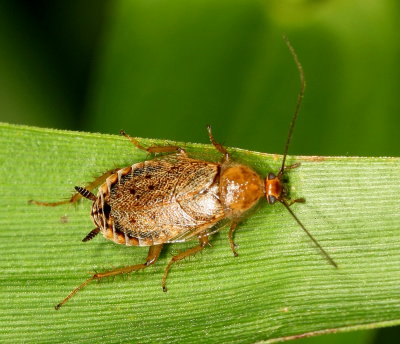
x=190, y=235
x=159, y=200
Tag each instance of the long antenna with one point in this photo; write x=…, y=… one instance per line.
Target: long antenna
x=327, y=256
x=298, y=104
x=289, y=137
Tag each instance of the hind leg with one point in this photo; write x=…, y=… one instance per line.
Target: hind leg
x=81, y=193
x=152, y=256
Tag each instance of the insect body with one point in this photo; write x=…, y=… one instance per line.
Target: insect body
x=174, y=198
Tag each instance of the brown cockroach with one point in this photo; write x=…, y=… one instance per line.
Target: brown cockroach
x=174, y=198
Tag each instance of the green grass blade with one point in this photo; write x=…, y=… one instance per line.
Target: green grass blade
x=279, y=287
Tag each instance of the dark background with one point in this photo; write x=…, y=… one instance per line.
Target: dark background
x=165, y=69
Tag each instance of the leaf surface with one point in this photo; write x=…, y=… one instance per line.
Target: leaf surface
x=279, y=287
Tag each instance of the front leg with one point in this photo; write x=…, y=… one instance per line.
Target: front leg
x=220, y=148
x=297, y=200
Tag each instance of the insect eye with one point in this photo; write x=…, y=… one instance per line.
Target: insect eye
x=271, y=199
x=271, y=176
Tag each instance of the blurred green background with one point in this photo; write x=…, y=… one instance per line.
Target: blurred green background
x=165, y=69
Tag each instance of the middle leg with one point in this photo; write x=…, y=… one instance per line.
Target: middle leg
x=203, y=243
x=153, y=149
x=230, y=237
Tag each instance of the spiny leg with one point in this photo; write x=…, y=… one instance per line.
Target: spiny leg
x=153, y=149
x=220, y=148
x=230, y=236
x=152, y=256
x=203, y=242
x=81, y=192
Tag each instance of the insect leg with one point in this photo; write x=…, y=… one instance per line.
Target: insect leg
x=220, y=148
x=297, y=200
x=153, y=149
x=289, y=167
x=98, y=181
x=152, y=256
x=203, y=242
x=230, y=236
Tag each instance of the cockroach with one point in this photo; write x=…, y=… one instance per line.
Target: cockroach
x=173, y=198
